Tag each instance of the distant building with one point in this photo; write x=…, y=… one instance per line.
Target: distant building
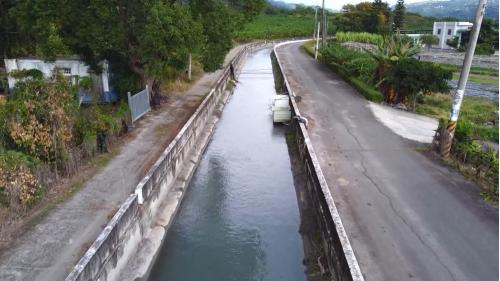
x=448, y=30
x=70, y=67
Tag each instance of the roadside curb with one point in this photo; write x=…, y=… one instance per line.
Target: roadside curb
x=342, y=261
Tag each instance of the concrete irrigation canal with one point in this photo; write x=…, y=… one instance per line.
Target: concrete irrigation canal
x=226, y=200
x=239, y=219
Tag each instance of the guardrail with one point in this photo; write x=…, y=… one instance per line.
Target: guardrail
x=119, y=240
x=341, y=261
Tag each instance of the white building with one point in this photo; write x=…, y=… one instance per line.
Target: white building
x=70, y=67
x=448, y=30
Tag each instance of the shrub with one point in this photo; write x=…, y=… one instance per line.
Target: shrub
x=33, y=74
x=19, y=188
x=38, y=119
x=485, y=49
x=367, y=91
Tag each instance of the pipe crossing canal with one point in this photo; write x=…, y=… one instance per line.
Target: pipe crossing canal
x=240, y=218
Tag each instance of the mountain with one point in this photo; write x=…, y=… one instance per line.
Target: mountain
x=281, y=4
x=461, y=9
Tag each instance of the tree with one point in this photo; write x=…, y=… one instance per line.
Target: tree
x=380, y=15
x=428, y=40
x=399, y=15
x=487, y=42
x=218, y=27
x=364, y=16
x=150, y=35
x=357, y=18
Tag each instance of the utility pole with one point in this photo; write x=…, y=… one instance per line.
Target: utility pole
x=447, y=135
x=326, y=26
x=189, y=67
x=323, y=39
x=315, y=21
x=317, y=42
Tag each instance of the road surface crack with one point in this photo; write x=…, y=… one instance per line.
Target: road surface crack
x=412, y=230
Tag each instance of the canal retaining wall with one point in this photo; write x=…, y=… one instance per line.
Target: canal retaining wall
x=336, y=248
x=138, y=224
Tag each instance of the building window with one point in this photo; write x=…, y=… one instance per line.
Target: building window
x=66, y=71
x=449, y=31
x=439, y=31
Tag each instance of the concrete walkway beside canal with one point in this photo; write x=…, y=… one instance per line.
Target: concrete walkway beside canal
x=49, y=250
x=407, y=217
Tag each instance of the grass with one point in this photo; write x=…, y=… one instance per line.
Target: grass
x=479, y=111
x=478, y=78
x=277, y=26
x=181, y=83
x=482, y=75
x=474, y=70
x=309, y=48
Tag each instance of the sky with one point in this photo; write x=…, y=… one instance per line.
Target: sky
x=337, y=4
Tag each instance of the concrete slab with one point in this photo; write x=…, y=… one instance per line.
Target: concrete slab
x=406, y=124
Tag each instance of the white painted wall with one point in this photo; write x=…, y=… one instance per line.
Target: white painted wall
x=448, y=30
x=75, y=67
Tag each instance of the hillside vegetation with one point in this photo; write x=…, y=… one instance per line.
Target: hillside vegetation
x=277, y=26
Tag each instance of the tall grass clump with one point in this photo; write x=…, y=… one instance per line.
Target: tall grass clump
x=362, y=37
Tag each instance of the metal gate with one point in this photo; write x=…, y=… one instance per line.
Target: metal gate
x=139, y=104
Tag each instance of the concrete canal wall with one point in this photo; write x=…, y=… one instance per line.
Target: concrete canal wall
x=132, y=238
x=337, y=250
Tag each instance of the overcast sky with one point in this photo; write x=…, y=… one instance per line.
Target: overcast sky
x=337, y=4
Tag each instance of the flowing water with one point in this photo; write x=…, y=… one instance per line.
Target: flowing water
x=239, y=219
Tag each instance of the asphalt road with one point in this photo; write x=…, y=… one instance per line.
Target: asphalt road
x=407, y=217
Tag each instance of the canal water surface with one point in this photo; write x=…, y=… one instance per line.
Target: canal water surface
x=239, y=219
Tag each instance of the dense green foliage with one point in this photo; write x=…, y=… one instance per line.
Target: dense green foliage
x=410, y=77
x=152, y=38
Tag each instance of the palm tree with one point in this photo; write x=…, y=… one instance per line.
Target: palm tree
x=392, y=49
